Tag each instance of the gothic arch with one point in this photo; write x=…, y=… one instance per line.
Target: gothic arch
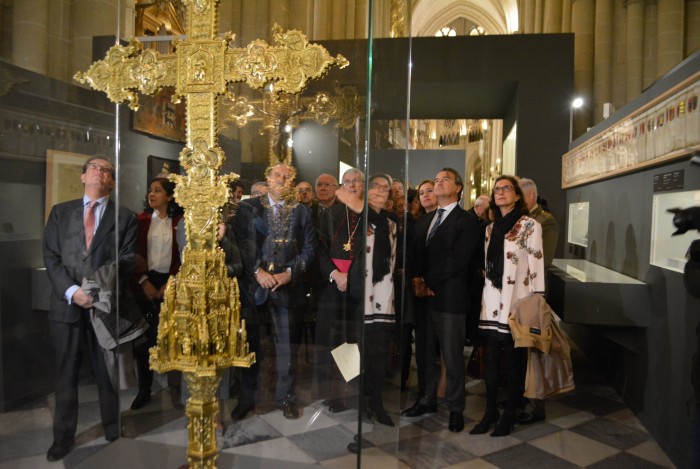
x=496, y=16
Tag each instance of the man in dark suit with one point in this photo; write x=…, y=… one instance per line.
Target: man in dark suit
x=80, y=237
x=444, y=245
x=277, y=240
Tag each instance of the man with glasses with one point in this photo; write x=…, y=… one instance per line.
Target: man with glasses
x=81, y=237
x=445, y=242
x=326, y=185
x=277, y=241
x=335, y=322
x=305, y=193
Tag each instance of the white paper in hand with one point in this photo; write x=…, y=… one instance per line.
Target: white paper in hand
x=347, y=358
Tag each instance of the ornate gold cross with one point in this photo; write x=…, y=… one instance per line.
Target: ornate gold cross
x=200, y=330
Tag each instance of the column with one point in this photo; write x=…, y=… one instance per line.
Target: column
x=350, y=20
x=361, y=19
x=338, y=19
x=248, y=19
x=650, y=46
x=602, y=54
x=582, y=25
x=90, y=18
x=669, y=35
x=278, y=11
x=539, y=7
x=552, y=16
x=30, y=40
x=634, y=50
x=322, y=20
x=566, y=16
x=692, y=26
x=299, y=16
x=528, y=24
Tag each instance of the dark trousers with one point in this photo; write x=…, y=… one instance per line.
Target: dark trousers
x=420, y=323
x=333, y=327
x=515, y=362
x=248, y=377
x=376, y=355
x=71, y=341
x=446, y=332
x=288, y=328
x=151, y=312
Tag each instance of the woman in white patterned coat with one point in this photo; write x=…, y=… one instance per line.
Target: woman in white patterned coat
x=514, y=270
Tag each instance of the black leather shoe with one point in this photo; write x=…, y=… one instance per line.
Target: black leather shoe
x=57, y=452
x=381, y=416
x=142, y=398
x=241, y=410
x=527, y=418
x=354, y=446
x=485, y=424
x=419, y=409
x=456, y=422
x=505, y=424
x=335, y=405
x=290, y=411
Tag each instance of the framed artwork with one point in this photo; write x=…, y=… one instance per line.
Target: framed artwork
x=160, y=117
x=158, y=165
x=63, y=170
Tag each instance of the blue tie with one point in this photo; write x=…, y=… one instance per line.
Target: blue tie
x=435, y=227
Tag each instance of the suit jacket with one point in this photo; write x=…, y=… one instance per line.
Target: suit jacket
x=295, y=250
x=444, y=263
x=68, y=261
x=550, y=232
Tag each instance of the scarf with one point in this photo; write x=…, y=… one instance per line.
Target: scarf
x=381, y=257
x=494, y=256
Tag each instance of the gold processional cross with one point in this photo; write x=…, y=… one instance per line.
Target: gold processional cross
x=200, y=330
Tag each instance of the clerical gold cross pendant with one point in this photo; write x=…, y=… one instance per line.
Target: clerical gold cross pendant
x=347, y=246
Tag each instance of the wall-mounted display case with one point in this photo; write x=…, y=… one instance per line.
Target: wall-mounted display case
x=578, y=224
x=668, y=251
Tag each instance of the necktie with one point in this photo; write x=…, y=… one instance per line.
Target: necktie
x=278, y=208
x=90, y=223
x=435, y=227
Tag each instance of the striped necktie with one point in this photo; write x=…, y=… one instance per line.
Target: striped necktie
x=435, y=227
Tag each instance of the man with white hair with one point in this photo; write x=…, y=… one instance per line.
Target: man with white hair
x=480, y=205
x=550, y=229
x=535, y=410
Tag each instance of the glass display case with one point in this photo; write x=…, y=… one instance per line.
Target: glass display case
x=578, y=224
x=619, y=300
x=669, y=251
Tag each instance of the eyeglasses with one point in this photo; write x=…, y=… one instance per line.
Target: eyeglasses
x=326, y=184
x=352, y=182
x=303, y=190
x=504, y=189
x=379, y=187
x=100, y=168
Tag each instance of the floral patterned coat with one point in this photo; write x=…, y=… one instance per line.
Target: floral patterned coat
x=523, y=274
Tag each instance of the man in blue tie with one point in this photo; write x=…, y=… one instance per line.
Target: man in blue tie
x=444, y=245
x=277, y=240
